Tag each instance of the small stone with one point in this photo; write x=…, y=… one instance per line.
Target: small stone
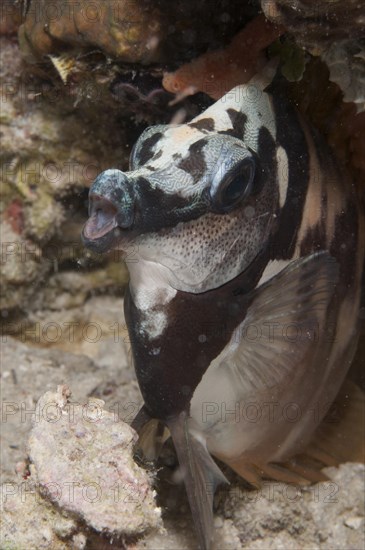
x=218, y=522
x=354, y=522
x=79, y=541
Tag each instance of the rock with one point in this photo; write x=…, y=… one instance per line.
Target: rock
x=28, y=522
x=20, y=267
x=26, y=373
x=346, y=63
x=10, y=17
x=96, y=329
x=317, y=25
x=88, y=445
x=129, y=30
x=354, y=523
x=323, y=516
x=69, y=289
x=335, y=31
x=279, y=516
x=287, y=516
x=50, y=153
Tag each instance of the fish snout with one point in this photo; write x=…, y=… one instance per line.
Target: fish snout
x=111, y=208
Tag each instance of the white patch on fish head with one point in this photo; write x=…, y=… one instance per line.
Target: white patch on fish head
x=251, y=101
x=207, y=252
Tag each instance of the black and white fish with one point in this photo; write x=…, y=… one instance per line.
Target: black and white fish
x=250, y=247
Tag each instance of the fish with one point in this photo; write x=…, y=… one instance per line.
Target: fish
x=244, y=293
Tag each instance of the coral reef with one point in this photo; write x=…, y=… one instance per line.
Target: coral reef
x=50, y=153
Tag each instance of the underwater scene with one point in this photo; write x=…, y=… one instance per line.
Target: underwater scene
x=182, y=303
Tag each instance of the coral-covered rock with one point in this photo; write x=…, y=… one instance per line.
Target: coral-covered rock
x=316, y=24
x=333, y=30
x=83, y=458
x=128, y=30
x=21, y=266
x=50, y=153
x=30, y=522
x=321, y=102
x=346, y=64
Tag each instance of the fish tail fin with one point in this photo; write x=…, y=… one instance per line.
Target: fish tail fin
x=201, y=477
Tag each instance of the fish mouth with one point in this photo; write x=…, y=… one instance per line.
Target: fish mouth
x=102, y=219
x=112, y=210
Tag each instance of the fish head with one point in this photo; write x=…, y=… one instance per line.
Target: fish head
x=199, y=201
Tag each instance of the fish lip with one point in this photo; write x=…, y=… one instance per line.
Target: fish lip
x=102, y=218
x=101, y=230
x=107, y=225
x=100, y=245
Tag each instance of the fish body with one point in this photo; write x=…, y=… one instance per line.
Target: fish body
x=242, y=307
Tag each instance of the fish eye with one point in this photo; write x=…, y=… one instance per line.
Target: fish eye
x=233, y=187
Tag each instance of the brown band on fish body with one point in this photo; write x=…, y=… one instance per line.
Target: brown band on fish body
x=291, y=137
x=167, y=386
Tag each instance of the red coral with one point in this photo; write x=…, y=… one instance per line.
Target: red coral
x=14, y=215
x=217, y=72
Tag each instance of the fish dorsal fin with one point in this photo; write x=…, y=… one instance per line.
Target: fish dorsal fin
x=284, y=322
x=201, y=476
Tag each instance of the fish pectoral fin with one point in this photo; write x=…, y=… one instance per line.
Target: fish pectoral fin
x=201, y=476
x=152, y=434
x=338, y=439
x=299, y=471
x=340, y=436
x=141, y=419
x=285, y=322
